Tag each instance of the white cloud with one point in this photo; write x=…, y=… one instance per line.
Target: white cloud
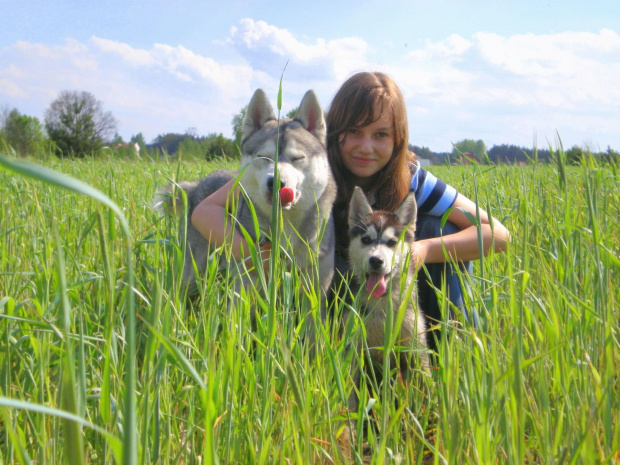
x=561, y=71
x=564, y=54
x=75, y=52
x=40, y=71
x=162, y=89
x=183, y=64
x=257, y=35
x=452, y=47
x=11, y=89
x=260, y=43
x=501, y=88
x=569, y=82
x=133, y=56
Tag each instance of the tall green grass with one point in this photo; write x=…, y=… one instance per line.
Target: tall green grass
x=535, y=382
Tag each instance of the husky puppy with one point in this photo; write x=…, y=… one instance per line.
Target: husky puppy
x=306, y=192
x=379, y=249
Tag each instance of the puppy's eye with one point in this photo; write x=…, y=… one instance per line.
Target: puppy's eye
x=392, y=243
x=297, y=159
x=366, y=240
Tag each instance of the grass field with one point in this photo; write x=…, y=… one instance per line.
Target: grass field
x=83, y=381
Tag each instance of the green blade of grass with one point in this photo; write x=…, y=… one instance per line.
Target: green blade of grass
x=113, y=441
x=49, y=176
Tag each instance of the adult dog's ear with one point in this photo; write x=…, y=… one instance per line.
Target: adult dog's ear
x=259, y=111
x=407, y=210
x=310, y=115
x=359, y=208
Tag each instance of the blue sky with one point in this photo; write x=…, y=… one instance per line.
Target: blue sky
x=513, y=72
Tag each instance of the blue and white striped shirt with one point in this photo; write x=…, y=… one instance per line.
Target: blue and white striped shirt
x=433, y=196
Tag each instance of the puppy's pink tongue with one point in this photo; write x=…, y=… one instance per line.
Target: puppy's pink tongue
x=286, y=195
x=376, y=285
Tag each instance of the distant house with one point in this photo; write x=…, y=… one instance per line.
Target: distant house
x=424, y=161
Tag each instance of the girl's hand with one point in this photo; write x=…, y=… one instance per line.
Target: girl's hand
x=463, y=245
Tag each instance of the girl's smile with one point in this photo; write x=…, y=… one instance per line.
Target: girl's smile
x=363, y=160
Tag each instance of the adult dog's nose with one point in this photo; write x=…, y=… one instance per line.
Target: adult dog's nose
x=270, y=182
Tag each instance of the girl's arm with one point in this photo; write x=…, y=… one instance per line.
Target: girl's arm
x=211, y=219
x=463, y=245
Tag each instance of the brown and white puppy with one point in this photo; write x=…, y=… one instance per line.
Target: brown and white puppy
x=379, y=256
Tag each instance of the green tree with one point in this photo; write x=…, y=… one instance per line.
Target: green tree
x=192, y=147
x=168, y=143
x=139, y=139
x=237, y=125
x=117, y=139
x=23, y=133
x=575, y=155
x=4, y=114
x=77, y=123
x=470, y=148
x=421, y=152
x=220, y=146
x=611, y=156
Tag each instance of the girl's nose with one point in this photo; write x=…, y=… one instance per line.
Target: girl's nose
x=365, y=145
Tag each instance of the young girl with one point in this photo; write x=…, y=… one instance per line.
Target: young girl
x=367, y=143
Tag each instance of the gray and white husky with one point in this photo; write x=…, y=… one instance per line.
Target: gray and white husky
x=304, y=172
x=379, y=249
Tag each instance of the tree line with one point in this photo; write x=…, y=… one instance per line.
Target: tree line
x=470, y=151
x=76, y=125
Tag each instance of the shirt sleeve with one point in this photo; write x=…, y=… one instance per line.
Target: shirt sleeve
x=433, y=196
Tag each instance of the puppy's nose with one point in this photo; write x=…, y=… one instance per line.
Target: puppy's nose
x=375, y=262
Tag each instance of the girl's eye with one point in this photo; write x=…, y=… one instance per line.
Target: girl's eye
x=354, y=131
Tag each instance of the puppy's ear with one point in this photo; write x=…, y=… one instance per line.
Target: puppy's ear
x=359, y=208
x=408, y=210
x=310, y=115
x=259, y=111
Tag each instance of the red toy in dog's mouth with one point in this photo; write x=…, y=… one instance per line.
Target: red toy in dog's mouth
x=286, y=195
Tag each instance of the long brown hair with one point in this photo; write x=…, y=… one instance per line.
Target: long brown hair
x=360, y=101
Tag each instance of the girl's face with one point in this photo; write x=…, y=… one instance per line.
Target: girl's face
x=365, y=150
